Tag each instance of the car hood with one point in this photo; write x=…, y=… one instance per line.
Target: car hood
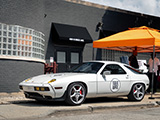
x=48, y=77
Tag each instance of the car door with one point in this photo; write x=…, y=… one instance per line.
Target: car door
x=115, y=81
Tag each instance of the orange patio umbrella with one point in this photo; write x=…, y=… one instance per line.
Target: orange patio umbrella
x=144, y=38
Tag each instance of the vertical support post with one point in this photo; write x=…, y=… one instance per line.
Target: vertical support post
x=93, y=54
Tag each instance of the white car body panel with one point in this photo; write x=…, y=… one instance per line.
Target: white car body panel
x=105, y=85
x=96, y=84
x=74, y=77
x=62, y=80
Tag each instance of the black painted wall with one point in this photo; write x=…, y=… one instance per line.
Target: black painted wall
x=117, y=21
x=40, y=14
x=59, y=11
x=12, y=72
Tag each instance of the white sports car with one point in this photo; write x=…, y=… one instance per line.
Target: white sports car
x=91, y=79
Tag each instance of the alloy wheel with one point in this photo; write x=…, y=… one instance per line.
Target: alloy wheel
x=77, y=93
x=138, y=91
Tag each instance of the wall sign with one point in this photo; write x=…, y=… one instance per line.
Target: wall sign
x=51, y=59
x=76, y=39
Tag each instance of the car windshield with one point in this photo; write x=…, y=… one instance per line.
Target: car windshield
x=88, y=67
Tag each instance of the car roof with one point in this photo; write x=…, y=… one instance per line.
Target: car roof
x=108, y=62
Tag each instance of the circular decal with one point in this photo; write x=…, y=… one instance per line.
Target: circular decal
x=115, y=85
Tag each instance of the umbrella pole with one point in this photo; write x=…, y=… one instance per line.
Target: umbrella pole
x=93, y=54
x=152, y=74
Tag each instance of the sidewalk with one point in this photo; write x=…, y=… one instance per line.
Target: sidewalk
x=18, y=97
x=15, y=105
x=8, y=98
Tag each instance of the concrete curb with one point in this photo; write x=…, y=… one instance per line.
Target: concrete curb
x=90, y=109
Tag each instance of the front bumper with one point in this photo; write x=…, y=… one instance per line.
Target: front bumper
x=41, y=92
x=40, y=97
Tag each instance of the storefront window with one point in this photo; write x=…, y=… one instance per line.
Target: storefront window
x=61, y=57
x=75, y=58
x=18, y=41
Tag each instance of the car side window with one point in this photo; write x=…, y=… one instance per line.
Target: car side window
x=114, y=69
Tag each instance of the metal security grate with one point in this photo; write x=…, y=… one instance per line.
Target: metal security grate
x=108, y=55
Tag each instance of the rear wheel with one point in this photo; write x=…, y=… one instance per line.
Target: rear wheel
x=76, y=94
x=137, y=92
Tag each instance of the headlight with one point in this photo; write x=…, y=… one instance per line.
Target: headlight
x=52, y=80
x=27, y=79
x=41, y=88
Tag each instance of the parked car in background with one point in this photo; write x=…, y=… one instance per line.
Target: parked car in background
x=91, y=79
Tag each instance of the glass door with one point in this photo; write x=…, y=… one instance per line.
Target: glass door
x=67, y=57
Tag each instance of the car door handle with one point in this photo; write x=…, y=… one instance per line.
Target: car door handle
x=127, y=77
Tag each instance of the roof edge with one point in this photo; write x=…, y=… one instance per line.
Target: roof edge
x=109, y=8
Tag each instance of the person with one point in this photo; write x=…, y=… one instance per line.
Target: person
x=151, y=72
x=133, y=60
x=158, y=77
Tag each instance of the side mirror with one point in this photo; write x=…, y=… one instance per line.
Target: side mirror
x=106, y=73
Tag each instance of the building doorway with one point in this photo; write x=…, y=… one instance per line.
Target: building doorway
x=67, y=57
x=68, y=45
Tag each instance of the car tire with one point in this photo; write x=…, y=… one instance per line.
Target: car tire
x=76, y=94
x=137, y=92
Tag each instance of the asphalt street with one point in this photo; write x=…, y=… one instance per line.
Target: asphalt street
x=16, y=106
x=114, y=114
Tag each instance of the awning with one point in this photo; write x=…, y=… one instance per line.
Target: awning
x=71, y=33
x=143, y=38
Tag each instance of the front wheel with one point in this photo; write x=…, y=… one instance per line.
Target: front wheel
x=76, y=94
x=137, y=92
